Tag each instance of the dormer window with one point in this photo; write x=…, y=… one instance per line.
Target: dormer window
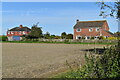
x=78, y=30
x=91, y=29
x=97, y=29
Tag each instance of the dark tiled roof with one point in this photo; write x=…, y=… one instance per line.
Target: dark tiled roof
x=20, y=29
x=109, y=32
x=89, y=24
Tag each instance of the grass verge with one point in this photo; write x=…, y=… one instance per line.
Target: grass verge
x=56, y=42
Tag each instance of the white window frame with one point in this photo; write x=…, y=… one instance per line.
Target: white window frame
x=90, y=29
x=80, y=30
x=86, y=37
x=96, y=37
x=20, y=32
x=8, y=32
x=78, y=36
x=24, y=32
x=12, y=32
x=97, y=29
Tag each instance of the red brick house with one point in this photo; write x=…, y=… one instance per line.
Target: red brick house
x=88, y=29
x=15, y=34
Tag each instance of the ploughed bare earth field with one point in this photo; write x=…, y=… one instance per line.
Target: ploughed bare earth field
x=39, y=60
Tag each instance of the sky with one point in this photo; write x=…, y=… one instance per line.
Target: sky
x=56, y=0
x=54, y=17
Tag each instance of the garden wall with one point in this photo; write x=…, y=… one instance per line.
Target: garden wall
x=71, y=40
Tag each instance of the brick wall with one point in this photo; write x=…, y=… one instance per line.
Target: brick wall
x=16, y=33
x=85, y=32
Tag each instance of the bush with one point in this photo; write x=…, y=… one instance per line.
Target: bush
x=57, y=37
x=92, y=38
x=106, y=65
x=66, y=41
x=112, y=38
x=83, y=37
x=102, y=37
x=3, y=38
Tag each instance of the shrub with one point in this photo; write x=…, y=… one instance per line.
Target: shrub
x=112, y=38
x=106, y=65
x=83, y=37
x=92, y=38
x=102, y=37
x=3, y=38
x=57, y=37
x=66, y=41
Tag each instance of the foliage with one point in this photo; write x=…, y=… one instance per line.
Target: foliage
x=3, y=38
x=52, y=37
x=66, y=41
x=63, y=35
x=69, y=36
x=47, y=35
x=112, y=38
x=36, y=32
x=57, y=37
x=102, y=37
x=83, y=37
x=106, y=65
x=92, y=38
x=117, y=34
x=110, y=9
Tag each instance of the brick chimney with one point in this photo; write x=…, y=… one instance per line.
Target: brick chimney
x=77, y=20
x=21, y=26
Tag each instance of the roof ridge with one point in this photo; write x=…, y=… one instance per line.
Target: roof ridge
x=93, y=21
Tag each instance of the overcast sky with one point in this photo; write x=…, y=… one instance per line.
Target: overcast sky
x=54, y=17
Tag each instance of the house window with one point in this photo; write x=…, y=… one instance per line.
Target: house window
x=23, y=32
x=12, y=32
x=91, y=29
x=87, y=37
x=96, y=37
x=97, y=29
x=20, y=32
x=8, y=32
x=78, y=30
x=78, y=37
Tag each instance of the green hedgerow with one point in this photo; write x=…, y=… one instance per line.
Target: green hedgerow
x=106, y=65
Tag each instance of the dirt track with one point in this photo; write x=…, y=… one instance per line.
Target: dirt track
x=29, y=60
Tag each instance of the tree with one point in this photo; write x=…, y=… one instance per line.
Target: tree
x=57, y=37
x=63, y=35
x=116, y=34
x=114, y=9
x=52, y=36
x=47, y=35
x=70, y=36
x=36, y=32
x=110, y=9
x=3, y=38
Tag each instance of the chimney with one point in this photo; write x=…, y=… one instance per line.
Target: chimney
x=77, y=20
x=21, y=26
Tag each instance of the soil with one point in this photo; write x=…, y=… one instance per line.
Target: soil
x=40, y=60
